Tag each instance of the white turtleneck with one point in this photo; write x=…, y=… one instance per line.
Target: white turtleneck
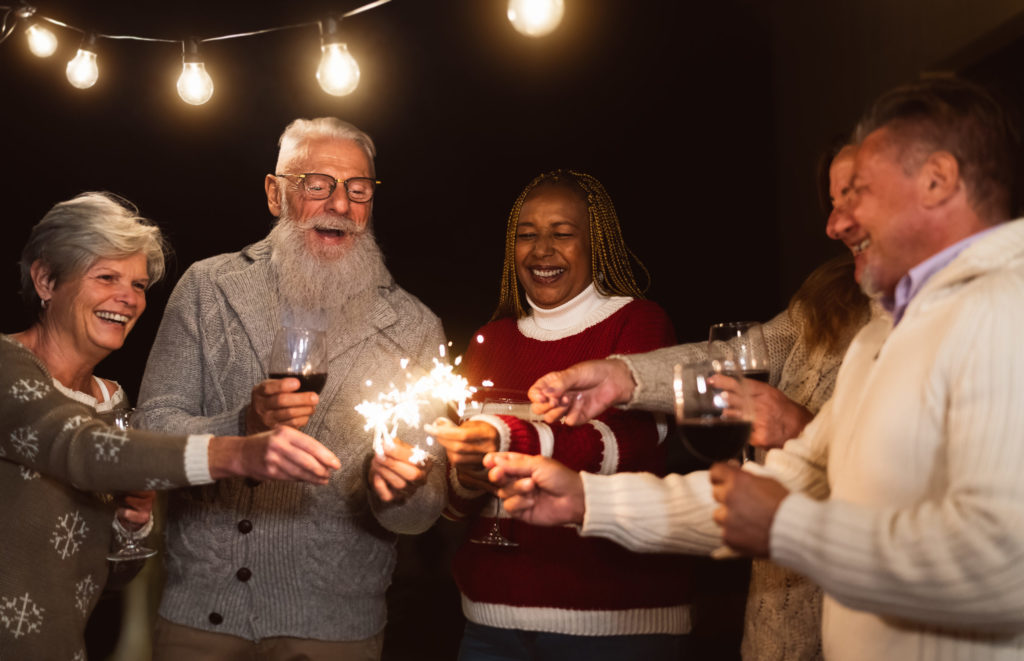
x=586, y=309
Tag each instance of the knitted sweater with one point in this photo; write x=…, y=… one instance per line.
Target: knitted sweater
x=906, y=491
x=554, y=580
x=257, y=560
x=783, y=613
x=57, y=460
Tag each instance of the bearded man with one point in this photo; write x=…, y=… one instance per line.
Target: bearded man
x=254, y=570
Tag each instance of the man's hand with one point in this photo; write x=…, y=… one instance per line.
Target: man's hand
x=582, y=392
x=276, y=402
x=282, y=453
x=135, y=508
x=536, y=489
x=394, y=476
x=777, y=418
x=748, y=508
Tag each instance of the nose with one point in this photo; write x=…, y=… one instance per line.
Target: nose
x=544, y=245
x=338, y=201
x=129, y=296
x=840, y=222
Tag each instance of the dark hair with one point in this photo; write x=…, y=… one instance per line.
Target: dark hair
x=832, y=305
x=959, y=117
x=610, y=259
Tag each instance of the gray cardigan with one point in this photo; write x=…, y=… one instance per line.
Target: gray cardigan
x=283, y=559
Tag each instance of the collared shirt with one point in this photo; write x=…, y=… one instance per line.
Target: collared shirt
x=910, y=284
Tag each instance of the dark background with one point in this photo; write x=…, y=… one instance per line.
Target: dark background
x=464, y=111
x=705, y=122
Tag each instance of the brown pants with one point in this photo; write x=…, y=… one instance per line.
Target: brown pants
x=174, y=642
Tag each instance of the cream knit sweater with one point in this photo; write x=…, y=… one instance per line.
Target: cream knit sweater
x=907, y=503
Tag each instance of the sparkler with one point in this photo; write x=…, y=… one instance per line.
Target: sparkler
x=396, y=406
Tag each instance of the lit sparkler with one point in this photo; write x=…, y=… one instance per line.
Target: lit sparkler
x=396, y=406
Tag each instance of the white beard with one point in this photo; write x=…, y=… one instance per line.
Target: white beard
x=314, y=287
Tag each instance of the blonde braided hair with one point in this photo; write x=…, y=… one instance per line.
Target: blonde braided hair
x=610, y=259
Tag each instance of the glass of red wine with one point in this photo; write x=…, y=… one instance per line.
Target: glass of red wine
x=521, y=409
x=712, y=425
x=129, y=549
x=742, y=344
x=300, y=353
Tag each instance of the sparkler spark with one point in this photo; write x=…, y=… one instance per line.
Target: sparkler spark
x=396, y=406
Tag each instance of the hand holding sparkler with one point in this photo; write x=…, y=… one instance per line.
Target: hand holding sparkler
x=466, y=444
x=397, y=473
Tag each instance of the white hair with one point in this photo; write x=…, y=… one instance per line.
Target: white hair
x=300, y=132
x=75, y=233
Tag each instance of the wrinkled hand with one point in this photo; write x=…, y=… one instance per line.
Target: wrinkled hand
x=135, y=508
x=777, y=418
x=394, y=476
x=276, y=402
x=536, y=489
x=748, y=506
x=282, y=453
x=583, y=391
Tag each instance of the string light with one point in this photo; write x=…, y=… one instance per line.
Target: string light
x=194, y=84
x=82, y=71
x=338, y=72
x=535, y=18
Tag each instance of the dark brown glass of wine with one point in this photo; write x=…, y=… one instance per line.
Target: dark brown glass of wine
x=743, y=343
x=300, y=353
x=711, y=425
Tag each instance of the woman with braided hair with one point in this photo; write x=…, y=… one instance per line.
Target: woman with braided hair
x=568, y=292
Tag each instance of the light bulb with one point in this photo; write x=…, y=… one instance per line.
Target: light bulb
x=194, y=85
x=338, y=72
x=41, y=41
x=535, y=18
x=82, y=71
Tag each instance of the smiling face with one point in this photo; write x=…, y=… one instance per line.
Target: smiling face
x=884, y=204
x=327, y=225
x=553, y=245
x=96, y=310
x=841, y=224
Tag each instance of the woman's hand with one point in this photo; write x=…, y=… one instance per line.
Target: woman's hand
x=282, y=453
x=466, y=444
x=135, y=508
x=777, y=418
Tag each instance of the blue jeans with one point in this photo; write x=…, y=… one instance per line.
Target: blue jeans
x=482, y=643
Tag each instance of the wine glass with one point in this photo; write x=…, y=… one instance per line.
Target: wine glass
x=300, y=353
x=520, y=409
x=742, y=342
x=711, y=426
x=128, y=547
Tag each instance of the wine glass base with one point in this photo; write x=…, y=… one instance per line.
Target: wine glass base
x=495, y=539
x=127, y=555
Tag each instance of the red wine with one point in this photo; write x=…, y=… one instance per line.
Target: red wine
x=714, y=439
x=307, y=382
x=757, y=375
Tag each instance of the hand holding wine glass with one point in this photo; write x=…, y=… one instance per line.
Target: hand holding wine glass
x=297, y=353
x=140, y=502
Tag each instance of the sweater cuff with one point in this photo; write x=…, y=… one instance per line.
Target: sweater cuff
x=788, y=535
x=504, y=433
x=197, y=459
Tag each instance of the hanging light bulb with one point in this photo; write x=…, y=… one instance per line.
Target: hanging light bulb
x=338, y=73
x=194, y=85
x=82, y=71
x=41, y=40
x=535, y=18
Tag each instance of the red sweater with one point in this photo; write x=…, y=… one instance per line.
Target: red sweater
x=555, y=580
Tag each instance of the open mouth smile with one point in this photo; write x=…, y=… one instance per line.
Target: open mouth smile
x=113, y=317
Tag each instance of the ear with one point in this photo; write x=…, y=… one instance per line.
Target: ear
x=42, y=280
x=274, y=193
x=939, y=179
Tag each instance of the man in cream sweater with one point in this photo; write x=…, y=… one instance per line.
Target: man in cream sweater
x=903, y=497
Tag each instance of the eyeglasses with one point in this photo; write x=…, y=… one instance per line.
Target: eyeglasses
x=321, y=186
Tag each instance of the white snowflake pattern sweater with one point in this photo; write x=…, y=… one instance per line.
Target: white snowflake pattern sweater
x=56, y=460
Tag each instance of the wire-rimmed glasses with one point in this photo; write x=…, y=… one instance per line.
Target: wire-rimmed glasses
x=319, y=186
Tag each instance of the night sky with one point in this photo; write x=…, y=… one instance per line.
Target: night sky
x=667, y=103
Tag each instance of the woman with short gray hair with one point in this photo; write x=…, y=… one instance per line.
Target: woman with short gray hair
x=85, y=271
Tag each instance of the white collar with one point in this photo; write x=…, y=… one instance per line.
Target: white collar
x=586, y=309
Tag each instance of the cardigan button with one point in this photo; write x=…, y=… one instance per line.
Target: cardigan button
x=245, y=526
x=216, y=618
x=243, y=574
x=252, y=482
